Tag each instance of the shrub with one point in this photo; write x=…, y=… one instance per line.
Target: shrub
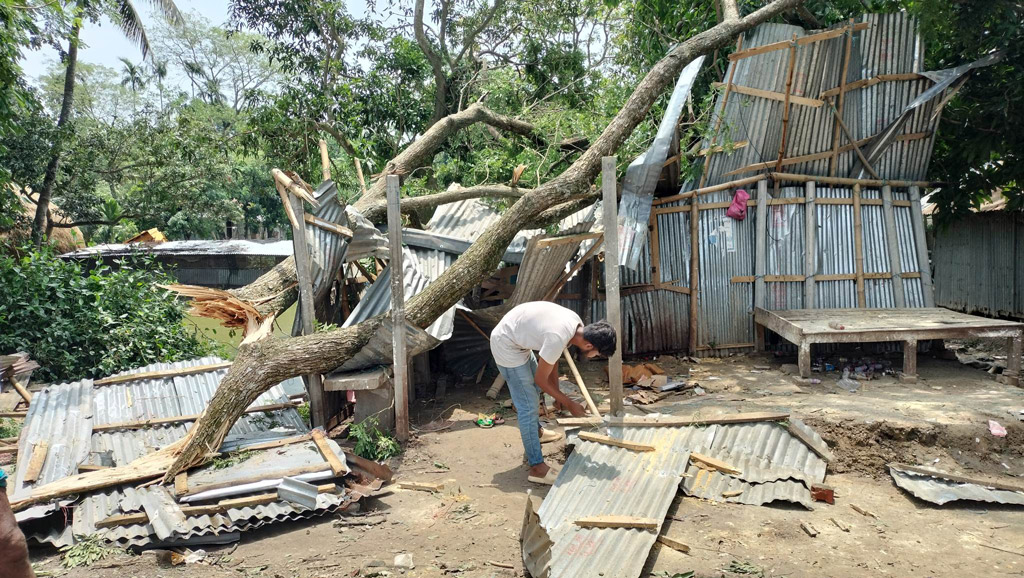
x=87, y=324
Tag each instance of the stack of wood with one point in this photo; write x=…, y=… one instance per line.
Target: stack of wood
x=633, y=374
x=220, y=305
x=15, y=371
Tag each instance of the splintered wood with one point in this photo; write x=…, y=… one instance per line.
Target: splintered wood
x=618, y=522
x=710, y=463
x=220, y=305
x=610, y=441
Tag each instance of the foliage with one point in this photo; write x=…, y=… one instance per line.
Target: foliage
x=88, y=325
x=745, y=568
x=9, y=428
x=371, y=443
x=231, y=459
x=86, y=550
x=304, y=412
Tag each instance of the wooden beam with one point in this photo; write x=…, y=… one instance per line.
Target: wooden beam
x=401, y=379
x=674, y=544
x=328, y=226
x=866, y=82
x=610, y=207
x=162, y=373
x=307, y=307
x=822, y=155
x=610, y=441
x=711, y=189
x=828, y=34
x=576, y=238
x=842, y=94
x=788, y=97
x=858, y=247
x=790, y=177
x=579, y=381
x=138, y=424
x=181, y=484
x=22, y=391
x=708, y=462
x=320, y=439
x=760, y=243
x=771, y=95
x=36, y=462
x=618, y=522
x=422, y=486
x=673, y=421
x=893, y=248
x=810, y=243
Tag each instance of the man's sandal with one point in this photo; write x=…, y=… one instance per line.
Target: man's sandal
x=548, y=436
x=548, y=479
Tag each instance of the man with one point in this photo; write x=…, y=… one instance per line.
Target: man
x=548, y=329
x=13, y=549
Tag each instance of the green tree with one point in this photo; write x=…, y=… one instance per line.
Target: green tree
x=132, y=75
x=131, y=26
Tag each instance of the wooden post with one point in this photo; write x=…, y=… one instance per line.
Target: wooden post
x=314, y=382
x=760, y=240
x=803, y=359
x=325, y=161
x=858, y=247
x=909, y=374
x=924, y=266
x=401, y=366
x=842, y=96
x=610, y=207
x=785, y=105
x=892, y=244
x=1015, y=351
x=694, y=271
x=810, y=243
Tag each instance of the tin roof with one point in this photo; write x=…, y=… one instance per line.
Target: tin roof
x=940, y=491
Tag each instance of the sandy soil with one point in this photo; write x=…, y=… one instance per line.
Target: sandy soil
x=475, y=521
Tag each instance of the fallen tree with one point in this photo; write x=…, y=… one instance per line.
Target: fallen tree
x=263, y=361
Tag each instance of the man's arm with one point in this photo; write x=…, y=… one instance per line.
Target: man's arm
x=547, y=380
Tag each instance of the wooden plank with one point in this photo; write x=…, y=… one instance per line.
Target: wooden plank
x=760, y=242
x=181, y=484
x=422, y=486
x=379, y=471
x=795, y=178
x=328, y=226
x=35, y=463
x=673, y=421
x=842, y=96
x=828, y=34
x=162, y=373
x=893, y=248
x=618, y=522
x=708, y=462
x=772, y=95
x=858, y=247
x=91, y=468
x=278, y=443
x=579, y=381
x=959, y=479
x=320, y=439
x=307, y=308
x=822, y=155
x=578, y=238
x=673, y=543
x=610, y=441
x=18, y=387
x=866, y=82
x=183, y=418
x=8, y=450
x=13, y=414
x=810, y=443
x=609, y=184
x=810, y=243
x=400, y=362
x=921, y=246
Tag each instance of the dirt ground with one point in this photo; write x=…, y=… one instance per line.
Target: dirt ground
x=472, y=528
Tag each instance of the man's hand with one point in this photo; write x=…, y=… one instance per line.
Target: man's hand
x=575, y=409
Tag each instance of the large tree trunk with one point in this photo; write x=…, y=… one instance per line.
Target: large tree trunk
x=41, y=223
x=261, y=365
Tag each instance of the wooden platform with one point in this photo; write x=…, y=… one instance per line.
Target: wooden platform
x=804, y=327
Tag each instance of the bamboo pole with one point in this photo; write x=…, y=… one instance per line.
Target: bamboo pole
x=786, y=104
x=792, y=177
x=856, y=148
x=611, y=274
x=892, y=245
x=858, y=246
x=760, y=242
x=711, y=189
x=811, y=244
x=921, y=244
x=842, y=96
x=579, y=381
x=401, y=379
x=325, y=161
x=359, y=174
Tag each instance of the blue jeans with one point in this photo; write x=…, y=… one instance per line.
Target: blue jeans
x=526, y=397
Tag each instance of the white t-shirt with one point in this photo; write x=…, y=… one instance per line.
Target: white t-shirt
x=536, y=326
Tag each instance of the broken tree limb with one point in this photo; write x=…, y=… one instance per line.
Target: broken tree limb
x=260, y=365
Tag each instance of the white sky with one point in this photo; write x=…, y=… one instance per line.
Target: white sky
x=104, y=43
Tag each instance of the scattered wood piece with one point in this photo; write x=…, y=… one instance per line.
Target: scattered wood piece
x=24, y=393
x=320, y=439
x=183, y=418
x=841, y=525
x=823, y=493
x=91, y=468
x=579, y=382
x=8, y=450
x=13, y=414
x=731, y=493
x=674, y=544
x=617, y=522
x=181, y=484
x=423, y=486
x=708, y=462
x=501, y=564
x=672, y=421
x=811, y=530
x=379, y=471
x=1000, y=549
x=863, y=512
x=279, y=443
x=162, y=373
x=35, y=463
x=610, y=441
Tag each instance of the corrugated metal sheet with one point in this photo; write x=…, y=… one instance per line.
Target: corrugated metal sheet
x=198, y=247
x=603, y=480
x=711, y=485
x=979, y=264
x=940, y=491
x=65, y=415
x=326, y=250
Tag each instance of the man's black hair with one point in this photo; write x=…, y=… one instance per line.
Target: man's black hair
x=602, y=336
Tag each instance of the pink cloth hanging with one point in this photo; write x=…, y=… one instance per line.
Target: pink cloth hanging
x=738, y=209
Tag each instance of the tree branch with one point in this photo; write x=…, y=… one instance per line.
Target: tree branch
x=471, y=37
x=344, y=142
x=729, y=10
x=455, y=194
x=440, y=80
